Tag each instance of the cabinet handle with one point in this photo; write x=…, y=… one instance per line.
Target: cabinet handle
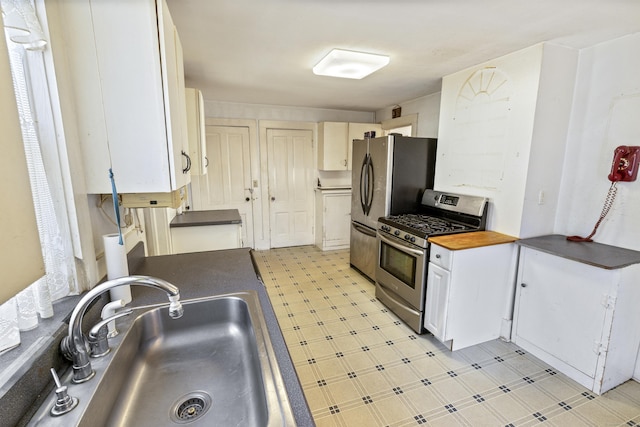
x=438, y=256
x=247, y=199
x=206, y=162
x=273, y=199
x=524, y=285
x=188, y=168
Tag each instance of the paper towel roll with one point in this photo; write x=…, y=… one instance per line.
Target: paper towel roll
x=115, y=256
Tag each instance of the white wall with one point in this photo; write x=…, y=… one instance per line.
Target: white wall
x=426, y=107
x=230, y=110
x=606, y=114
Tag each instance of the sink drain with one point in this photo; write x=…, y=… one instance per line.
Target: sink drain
x=190, y=407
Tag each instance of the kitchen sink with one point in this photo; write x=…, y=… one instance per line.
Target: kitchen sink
x=214, y=366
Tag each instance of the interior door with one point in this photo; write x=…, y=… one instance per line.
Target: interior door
x=291, y=175
x=227, y=184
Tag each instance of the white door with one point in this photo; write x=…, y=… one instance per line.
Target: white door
x=291, y=174
x=227, y=184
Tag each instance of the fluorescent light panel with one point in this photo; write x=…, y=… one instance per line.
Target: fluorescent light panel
x=349, y=64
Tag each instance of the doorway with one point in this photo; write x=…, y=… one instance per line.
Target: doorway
x=291, y=174
x=227, y=184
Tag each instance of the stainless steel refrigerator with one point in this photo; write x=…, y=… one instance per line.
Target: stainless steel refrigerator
x=388, y=175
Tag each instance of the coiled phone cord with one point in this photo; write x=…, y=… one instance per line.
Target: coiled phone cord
x=611, y=196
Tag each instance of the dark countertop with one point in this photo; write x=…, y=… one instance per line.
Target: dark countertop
x=196, y=274
x=203, y=274
x=200, y=218
x=592, y=253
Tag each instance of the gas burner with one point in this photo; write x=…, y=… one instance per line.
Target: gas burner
x=424, y=225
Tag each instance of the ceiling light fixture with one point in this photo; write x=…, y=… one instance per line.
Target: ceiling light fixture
x=349, y=64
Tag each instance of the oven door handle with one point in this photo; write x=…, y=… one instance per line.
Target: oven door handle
x=400, y=246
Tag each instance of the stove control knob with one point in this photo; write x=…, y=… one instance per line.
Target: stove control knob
x=413, y=239
x=397, y=232
x=407, y=237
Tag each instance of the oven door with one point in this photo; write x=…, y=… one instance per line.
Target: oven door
x=402, y=270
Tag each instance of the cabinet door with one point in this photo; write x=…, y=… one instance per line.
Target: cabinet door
x=332, y=146
x=196, y=131
x=175, y=100
x=437, y=301
x=337, y=219
x=127, y=93
x=560, y=308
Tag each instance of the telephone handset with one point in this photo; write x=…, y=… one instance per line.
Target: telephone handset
x=625, y=164
x=624, y=168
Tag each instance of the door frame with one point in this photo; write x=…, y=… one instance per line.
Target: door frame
x=264, y=125
x=254, y=152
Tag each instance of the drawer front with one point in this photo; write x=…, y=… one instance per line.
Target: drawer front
x=441, y=257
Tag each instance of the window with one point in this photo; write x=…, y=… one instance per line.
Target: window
x=26, y=44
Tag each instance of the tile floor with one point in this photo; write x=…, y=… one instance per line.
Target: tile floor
x=359, y=365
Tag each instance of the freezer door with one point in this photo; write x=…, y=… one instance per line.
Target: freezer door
x=363, y=250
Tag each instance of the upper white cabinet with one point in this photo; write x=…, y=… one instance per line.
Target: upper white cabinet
x=196, y=132
x=334, y=143
x=577, y=309
x=125, y=60
x=333, y=150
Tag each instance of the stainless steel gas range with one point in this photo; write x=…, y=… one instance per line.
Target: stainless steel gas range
x=403, y=249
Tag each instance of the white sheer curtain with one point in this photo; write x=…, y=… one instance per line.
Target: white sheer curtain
x=26, y=42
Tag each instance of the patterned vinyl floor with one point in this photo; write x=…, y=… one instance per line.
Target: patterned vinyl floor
x=360, y=366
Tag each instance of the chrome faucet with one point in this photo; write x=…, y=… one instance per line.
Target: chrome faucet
x=75, y=345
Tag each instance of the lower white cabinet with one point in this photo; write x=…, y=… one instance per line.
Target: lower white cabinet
x=333, y=218
x=198, y=231
x=206, y=238
x=582, y=319
x=468, y=293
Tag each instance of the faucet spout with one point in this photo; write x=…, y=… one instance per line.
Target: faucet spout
x=76, y=344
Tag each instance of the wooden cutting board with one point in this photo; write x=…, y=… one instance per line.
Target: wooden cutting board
x=474, y=239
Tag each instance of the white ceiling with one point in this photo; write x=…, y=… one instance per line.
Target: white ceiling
x=262, y=51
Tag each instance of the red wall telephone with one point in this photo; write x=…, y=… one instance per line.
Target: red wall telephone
x=625, y=164
x=624, y=167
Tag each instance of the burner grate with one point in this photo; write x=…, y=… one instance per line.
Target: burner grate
x=425, y=224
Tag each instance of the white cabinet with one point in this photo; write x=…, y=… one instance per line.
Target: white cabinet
x=196, y=131
x=125, y=60
x=333, y=219
x=468, y=291
x=580, y=318
x=332, y=146
x=197, y=231
x=206, y=238
x=334, y=143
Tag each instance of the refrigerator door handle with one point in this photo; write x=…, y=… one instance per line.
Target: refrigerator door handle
x=364, y=184
x=370, y=181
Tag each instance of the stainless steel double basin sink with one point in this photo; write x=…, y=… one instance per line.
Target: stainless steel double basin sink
x=214, y=366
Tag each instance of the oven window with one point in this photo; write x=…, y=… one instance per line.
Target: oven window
x=399, y=264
